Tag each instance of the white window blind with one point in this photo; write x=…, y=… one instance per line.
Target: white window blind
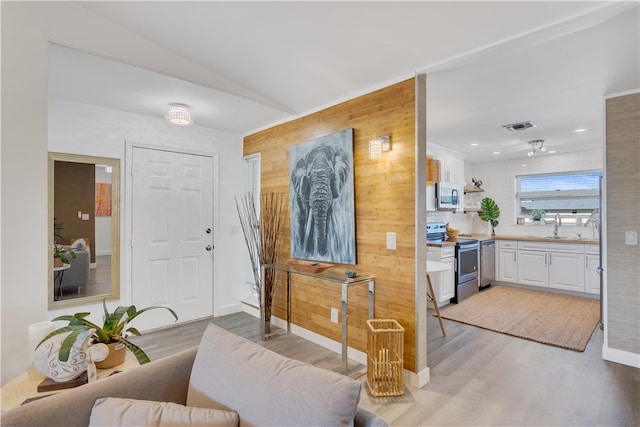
x=572, y=195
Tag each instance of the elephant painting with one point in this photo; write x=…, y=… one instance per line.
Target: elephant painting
x=322, y=199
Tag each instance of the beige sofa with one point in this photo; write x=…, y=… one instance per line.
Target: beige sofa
x=225, y=373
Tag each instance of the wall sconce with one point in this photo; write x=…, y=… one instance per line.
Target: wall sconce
x=378, y=145
x=179, y=114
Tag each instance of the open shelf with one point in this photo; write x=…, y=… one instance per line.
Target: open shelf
x=473, y=190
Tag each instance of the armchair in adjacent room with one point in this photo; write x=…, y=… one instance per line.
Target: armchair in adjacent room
x=78, y=273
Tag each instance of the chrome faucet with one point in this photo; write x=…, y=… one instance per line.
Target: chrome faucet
x=593, y=220
x=557, y=224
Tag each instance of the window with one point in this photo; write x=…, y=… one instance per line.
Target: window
x=575, y=196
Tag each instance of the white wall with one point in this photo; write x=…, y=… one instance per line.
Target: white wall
x=498, y=181
x=27, y=27
x=23, y=170
x=85, y=129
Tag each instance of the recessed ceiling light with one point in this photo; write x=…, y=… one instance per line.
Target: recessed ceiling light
x=552, y=151
x=580, y=130
x=496, y=152
x=524, y=165
x=473, y=144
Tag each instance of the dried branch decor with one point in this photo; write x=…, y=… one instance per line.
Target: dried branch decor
x=262, y=238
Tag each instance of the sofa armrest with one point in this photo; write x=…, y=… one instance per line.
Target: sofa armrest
x=366, y=418
x=163, y=380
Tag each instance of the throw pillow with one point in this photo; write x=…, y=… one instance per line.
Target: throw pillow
x=79, y=244
x=266, y=388
x=113, y=411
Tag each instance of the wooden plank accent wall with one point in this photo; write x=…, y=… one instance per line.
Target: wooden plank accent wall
x=384, y=202
x=623, y=214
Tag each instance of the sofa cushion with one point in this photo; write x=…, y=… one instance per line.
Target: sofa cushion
x=79, y=244
x=266, y=388
x=113, y=411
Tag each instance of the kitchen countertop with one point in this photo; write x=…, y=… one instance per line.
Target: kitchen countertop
x=482, y=237
x=547, y=239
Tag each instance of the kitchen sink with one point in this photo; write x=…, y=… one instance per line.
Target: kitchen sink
x=550, y=237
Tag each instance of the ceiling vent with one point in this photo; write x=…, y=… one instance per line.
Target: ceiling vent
x=516, y=127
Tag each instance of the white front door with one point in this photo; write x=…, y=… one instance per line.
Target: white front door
x=172, y=236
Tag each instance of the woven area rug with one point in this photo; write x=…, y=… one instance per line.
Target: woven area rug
x=560, y=320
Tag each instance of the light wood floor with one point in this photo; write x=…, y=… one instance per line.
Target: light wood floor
x=99, y=282
x=478, y=377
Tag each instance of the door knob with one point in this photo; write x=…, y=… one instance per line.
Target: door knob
x=208, y=231
x=209, y=247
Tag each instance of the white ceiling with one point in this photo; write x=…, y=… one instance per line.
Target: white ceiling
x=488, y=64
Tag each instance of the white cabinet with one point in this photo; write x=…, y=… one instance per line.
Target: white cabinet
x=443, y=282
x=507, y=261
x=431, y=198
x=532, y=268
x=566, y=266
x=566, y=271
x=553, y=265
x=451, y=168
x=591, y=264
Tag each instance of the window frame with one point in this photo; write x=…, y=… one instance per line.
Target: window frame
x=571, y=219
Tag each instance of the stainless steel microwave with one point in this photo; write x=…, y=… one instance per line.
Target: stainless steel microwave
x=448, y=196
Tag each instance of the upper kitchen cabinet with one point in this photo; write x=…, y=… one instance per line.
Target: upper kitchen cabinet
x=451, y=163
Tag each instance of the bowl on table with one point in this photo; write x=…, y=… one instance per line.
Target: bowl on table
x=307, y=266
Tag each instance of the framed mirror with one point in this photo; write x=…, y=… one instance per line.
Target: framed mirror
x=84, y=229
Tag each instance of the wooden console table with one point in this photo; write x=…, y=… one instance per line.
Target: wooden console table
x=329, y=275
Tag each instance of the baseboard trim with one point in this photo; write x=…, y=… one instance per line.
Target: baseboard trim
x=621, y=356
x=228, y=309
x=250, y=307
x=322, y=341
x=420, y=379
x=417, y=380
x=315, y=338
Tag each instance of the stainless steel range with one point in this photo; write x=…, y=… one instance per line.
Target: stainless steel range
x=466, y=263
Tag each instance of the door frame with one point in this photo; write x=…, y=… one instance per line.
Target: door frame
x=126, y=290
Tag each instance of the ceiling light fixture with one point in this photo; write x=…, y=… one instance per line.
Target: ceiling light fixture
x=378, y=145
x=179, y=114
x=536, y=145
x=580, y=130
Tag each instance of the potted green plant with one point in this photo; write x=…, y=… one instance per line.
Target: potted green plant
x=112, y=331
x=537, y=214
x=490, y=212
x=62, y=255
